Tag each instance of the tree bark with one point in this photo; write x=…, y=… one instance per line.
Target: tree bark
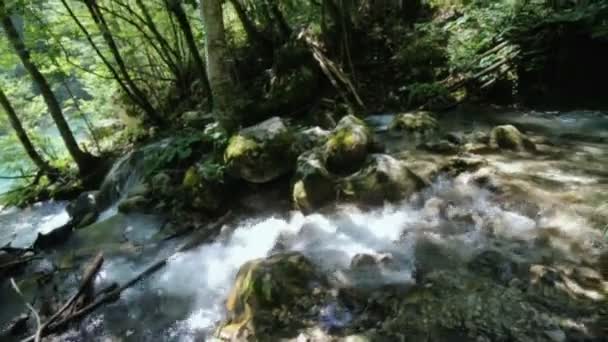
x=254, y=36
x=23, y=138
x=222, y=86
x=84, y=161
x=139, y=95
x=176, y=8
x=280, y=19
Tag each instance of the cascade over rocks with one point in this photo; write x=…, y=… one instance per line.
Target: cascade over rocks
x=260, y=153
x=348, y=145
x=422, y=122
x=508, y=137
x=84, y=209
x=264, y=288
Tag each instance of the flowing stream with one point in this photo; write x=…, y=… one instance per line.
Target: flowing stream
x=184, y=301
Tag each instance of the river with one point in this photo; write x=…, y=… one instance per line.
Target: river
x=566, y=190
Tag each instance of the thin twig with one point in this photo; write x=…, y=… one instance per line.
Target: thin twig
x=29, y=306
x=89, y=275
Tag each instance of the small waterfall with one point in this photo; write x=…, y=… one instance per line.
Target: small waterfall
x=126, y=173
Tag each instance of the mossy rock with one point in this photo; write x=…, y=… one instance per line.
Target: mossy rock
x=508, y=137
x=261, y=153
x=348, y=145
x=382, y=178
x=422, y=122
x=264, y=286
x=315, y=185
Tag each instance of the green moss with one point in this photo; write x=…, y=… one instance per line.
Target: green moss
x=239, y=146
x=191, y=178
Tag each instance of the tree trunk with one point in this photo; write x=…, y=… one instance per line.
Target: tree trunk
x=254, y=36
x=84, y=161
x=280, y=19
x=140, y=96
x=222, y=86
x=23, y=138
x=175, y=7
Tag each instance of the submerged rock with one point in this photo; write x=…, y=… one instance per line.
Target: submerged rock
x=263, y=289
x=348, y=145
x=442, y=147
x=603, y=264
x=459, y=306
x=508, y=137
x=260, y=153
x=414, y=122
x=133, y=204
x=382, y=178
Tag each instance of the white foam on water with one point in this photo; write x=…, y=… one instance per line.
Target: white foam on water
x=21, y=227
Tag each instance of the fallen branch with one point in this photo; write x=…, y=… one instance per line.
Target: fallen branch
x=87, y=280
x=107, y=297
x=330, y=69
x=12, y=264
x=29, y=306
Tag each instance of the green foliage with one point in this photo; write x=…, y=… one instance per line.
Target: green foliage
x=179, y=150
x=430, y=94
x=212, y=170
x=422, y=52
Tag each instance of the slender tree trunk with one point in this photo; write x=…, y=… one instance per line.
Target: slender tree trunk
x=84, y=161
x=141, y=97
x=175, y=7
x=159, y=37
x=23, y=138
x=255, y=36
x=222, y=86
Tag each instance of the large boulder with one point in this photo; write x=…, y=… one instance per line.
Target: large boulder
x=414, y=122
x=315, y=185
x=508, y=137
x=382, y=178
x=260, y=153
x=348, y=145
x=265, y=287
